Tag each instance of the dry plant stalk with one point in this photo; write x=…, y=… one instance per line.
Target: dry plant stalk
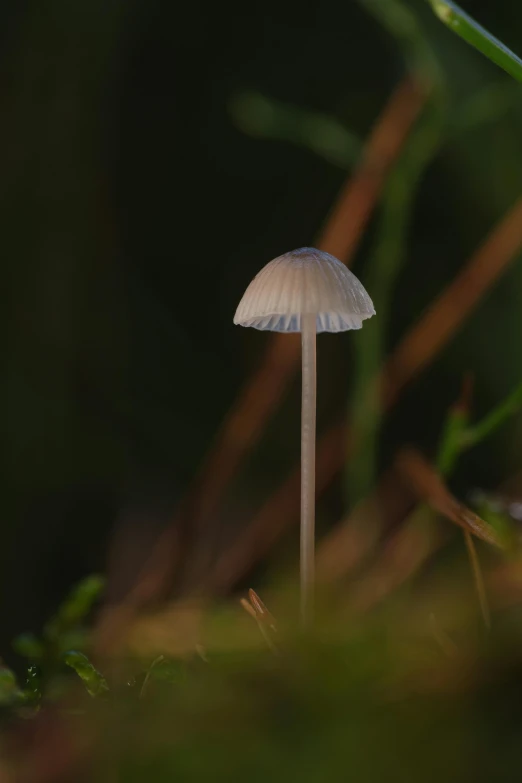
x=347, y=221
x=115, y=619
x=342, y=232
x=424, y=340
x=265, y=621
x=273, y=519
x=444, y=316
x=505, y=582
x=340, y=237
x=401, y=558
x=479, y=579
x=353, y=539
x=431, y=488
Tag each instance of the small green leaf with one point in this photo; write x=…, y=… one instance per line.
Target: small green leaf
x=81, y=599
x=28, y=646
x=264, y=117
x=93, y=680
x=169, y=670
x=9, y=690
x=476, y=35
x=32, y=692
x=76, y=607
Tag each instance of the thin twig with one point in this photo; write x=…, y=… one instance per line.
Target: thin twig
x=478, y=579
x=402, y=556
x=353, y=540
x=340, y=237
x=449, y=311
x=417, y=349
x=278, y=513
x=265, y=622
x=446, y=644
x=347, y=221
x=154, y=663
x=382, y=270
x=431, y=489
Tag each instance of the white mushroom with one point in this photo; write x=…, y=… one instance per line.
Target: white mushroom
x=305, y=291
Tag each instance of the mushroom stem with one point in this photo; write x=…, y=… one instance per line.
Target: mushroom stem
x=308, y=416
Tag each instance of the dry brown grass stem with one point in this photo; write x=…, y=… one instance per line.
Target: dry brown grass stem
x=402, y=556
x=431, y=489
x=353, y=540
x=340, y=237
x=478, y=579
x=260, y=397
x=417, y=349
x=449, y=311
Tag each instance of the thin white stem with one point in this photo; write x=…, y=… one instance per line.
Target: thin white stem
x=308, y=407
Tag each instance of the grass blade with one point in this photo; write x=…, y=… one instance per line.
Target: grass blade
x=476, y=35
x=493, y=420
x=93, y=680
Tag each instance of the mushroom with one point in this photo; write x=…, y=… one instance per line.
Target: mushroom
x=305, y=291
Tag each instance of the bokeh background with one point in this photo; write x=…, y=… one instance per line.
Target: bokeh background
x=154, y=156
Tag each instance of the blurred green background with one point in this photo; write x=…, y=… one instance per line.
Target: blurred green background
x=154, y=156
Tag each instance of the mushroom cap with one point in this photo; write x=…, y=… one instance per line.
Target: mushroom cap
x=304, y=281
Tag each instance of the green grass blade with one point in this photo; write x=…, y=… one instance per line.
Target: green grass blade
x=450, y=446
x=76, y=607
x=462, y=24
x=267, y=118
x=9, y=690
x=93, y=680
x=495, y=419
x=383, y=268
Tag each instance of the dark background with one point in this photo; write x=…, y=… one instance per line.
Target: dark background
x=140, y=192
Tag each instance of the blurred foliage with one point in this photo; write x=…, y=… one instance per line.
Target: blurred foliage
x=320, y=133
x=136, y=209
x=411, y=690
x=66, y=627
x=94, y=682
x=154, y=157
